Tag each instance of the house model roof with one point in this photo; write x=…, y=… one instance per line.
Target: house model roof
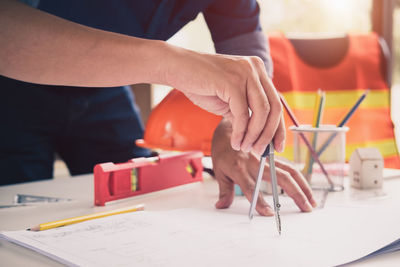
x=368, y=153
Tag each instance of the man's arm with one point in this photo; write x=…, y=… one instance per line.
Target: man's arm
x=40, y=48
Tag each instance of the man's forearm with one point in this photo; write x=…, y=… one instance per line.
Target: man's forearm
x=40, y=48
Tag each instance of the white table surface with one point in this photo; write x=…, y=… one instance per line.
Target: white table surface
x=80, y=189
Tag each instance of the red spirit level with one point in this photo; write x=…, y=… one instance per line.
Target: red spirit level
x=144, y=175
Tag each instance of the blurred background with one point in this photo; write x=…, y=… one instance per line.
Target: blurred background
x=301, y=17
x=307, y=17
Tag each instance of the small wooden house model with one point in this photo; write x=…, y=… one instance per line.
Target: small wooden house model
x=366, y=168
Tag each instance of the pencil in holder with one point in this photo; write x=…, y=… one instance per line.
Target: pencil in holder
x=329, y=141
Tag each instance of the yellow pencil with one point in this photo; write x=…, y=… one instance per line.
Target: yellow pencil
x=50, y=225
x=317, y=104
x=314, y=135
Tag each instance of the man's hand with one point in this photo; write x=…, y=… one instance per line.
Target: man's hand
x=231, y=86
x=236, y=167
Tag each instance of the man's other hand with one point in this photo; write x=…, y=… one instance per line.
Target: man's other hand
x=237, y=167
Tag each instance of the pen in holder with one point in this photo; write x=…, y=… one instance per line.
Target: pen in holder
x=333, y=139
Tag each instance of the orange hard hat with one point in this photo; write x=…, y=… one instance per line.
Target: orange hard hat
x=177, y=124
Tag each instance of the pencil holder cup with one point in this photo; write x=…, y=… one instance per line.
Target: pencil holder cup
x=329, y=143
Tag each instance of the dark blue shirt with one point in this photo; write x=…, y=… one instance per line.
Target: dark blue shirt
x=159, y=19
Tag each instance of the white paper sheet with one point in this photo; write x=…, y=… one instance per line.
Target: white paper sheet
x=192, y=237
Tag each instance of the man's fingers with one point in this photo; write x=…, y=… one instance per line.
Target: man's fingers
x=247, y=185
x=293, y=190
x=280, y=136
x=300, y=180
x=226, y=190
x=238, y=172
x=259, y=95
x=240, y=117
x=294, y=185
x=262, y=206
x=259, y=105
x=273, y=120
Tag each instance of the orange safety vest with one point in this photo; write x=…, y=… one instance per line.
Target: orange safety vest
x=360, y=69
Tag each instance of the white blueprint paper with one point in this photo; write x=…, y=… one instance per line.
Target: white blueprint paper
x=193, y=237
